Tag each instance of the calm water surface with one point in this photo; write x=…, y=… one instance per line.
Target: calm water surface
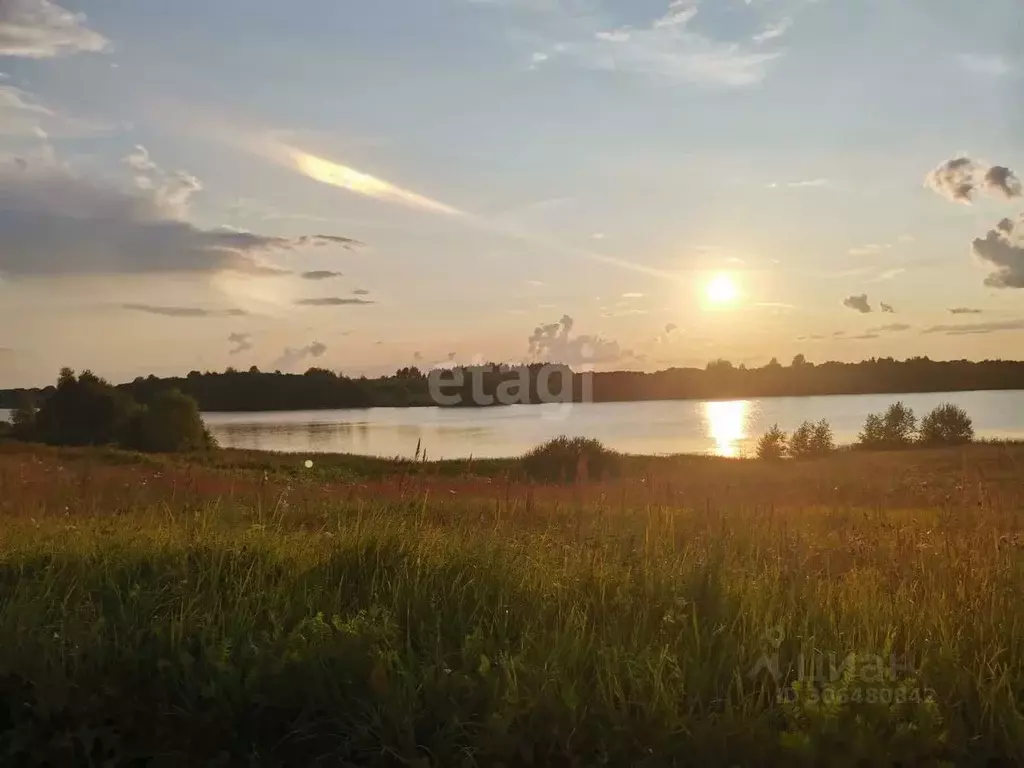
x=725, y=428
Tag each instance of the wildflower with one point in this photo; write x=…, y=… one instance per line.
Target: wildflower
x=309, y=463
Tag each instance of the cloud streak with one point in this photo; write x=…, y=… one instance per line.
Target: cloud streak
x=332, y=301
x=183, y=312
x=40, y=29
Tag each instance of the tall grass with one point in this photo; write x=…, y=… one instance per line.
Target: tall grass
x=305, y=624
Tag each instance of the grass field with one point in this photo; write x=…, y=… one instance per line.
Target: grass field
x=240, y=609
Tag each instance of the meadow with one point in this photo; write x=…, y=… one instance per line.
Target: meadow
x=240, y=608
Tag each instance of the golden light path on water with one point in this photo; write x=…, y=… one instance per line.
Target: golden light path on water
x=725, y=422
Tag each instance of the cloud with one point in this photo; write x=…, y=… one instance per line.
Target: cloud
x=773, y=31
x=858, y=303
x=554, y=343
x=959, y=178
x=865, y=336
x=838, y=334
x=23, y=115
x=1003, y=180
x=666, y=46
x=970, y=329
x=337, y=175
x=331, y=301
x=292, y=357
x=320, y=274
x=869, y=250
x=800, y=184
x=242, y=342
x=40, y=29
x=964, y=311
x=172, y=192
x=58, y=222
x=320, y=241
x=891, y=328
x=671, y=328
x=992, y=65
x=887, y=308
x=360, y=292
x=1003, y=248
x=153, y=309
x=632, y=295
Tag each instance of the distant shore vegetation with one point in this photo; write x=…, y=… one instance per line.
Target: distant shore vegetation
x=319, y=388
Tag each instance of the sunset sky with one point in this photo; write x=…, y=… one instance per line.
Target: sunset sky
x=363, y=185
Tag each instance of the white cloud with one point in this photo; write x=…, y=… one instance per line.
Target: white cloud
x=667, y=46
x=40, y=29
x=773, y=31
x=991, y=65
x=58, y=222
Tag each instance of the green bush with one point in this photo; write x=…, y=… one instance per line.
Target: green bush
x=566, y=459
x=822, y=440
x=896, y=428
x=84, y=411
x=947, y=424
x=772, y=445
x=169, y=424
x=811, y=440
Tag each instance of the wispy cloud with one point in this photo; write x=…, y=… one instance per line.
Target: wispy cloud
x=665, y=46
x=890, y=328
x=870, y=249
x=332, y=301
x=990, y=64
x=320, y=274
x=40, y=29
x=964, y=311
x=185, y=312
x=292, y=356
x=773, y=31
x=969, y=329
x=242, y=342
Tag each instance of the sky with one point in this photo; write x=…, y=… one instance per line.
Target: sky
x=635, y=185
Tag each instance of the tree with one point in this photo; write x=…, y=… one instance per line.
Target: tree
x=799, y=361
x=900, y=425
x=774, y=363
x=895, y=428
x=170, y=423
x=873, y=434
x=947, y=424
x=23, y=418
x=84, y=411
x=822, y=441
x=772, y=445
x=801, y=443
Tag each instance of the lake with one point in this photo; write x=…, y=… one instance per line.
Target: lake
x=719, y=427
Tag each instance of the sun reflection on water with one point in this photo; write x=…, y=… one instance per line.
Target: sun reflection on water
x=726, y=424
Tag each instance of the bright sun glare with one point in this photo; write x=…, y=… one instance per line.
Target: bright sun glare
x=721, y=290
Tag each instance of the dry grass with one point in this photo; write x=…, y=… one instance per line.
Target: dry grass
x=248, y=610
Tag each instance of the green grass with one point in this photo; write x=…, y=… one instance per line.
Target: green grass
x=302, y=623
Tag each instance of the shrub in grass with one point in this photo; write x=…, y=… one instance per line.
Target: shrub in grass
x=896, y=428
x=822, y=440
x=800, y=442
x=947, y=424
x=170, y=423
x=772, y=445
x=569, y=459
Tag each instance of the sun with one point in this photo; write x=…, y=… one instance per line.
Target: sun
x=721, y=290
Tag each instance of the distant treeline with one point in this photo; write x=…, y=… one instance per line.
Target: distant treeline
x=256, y=390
